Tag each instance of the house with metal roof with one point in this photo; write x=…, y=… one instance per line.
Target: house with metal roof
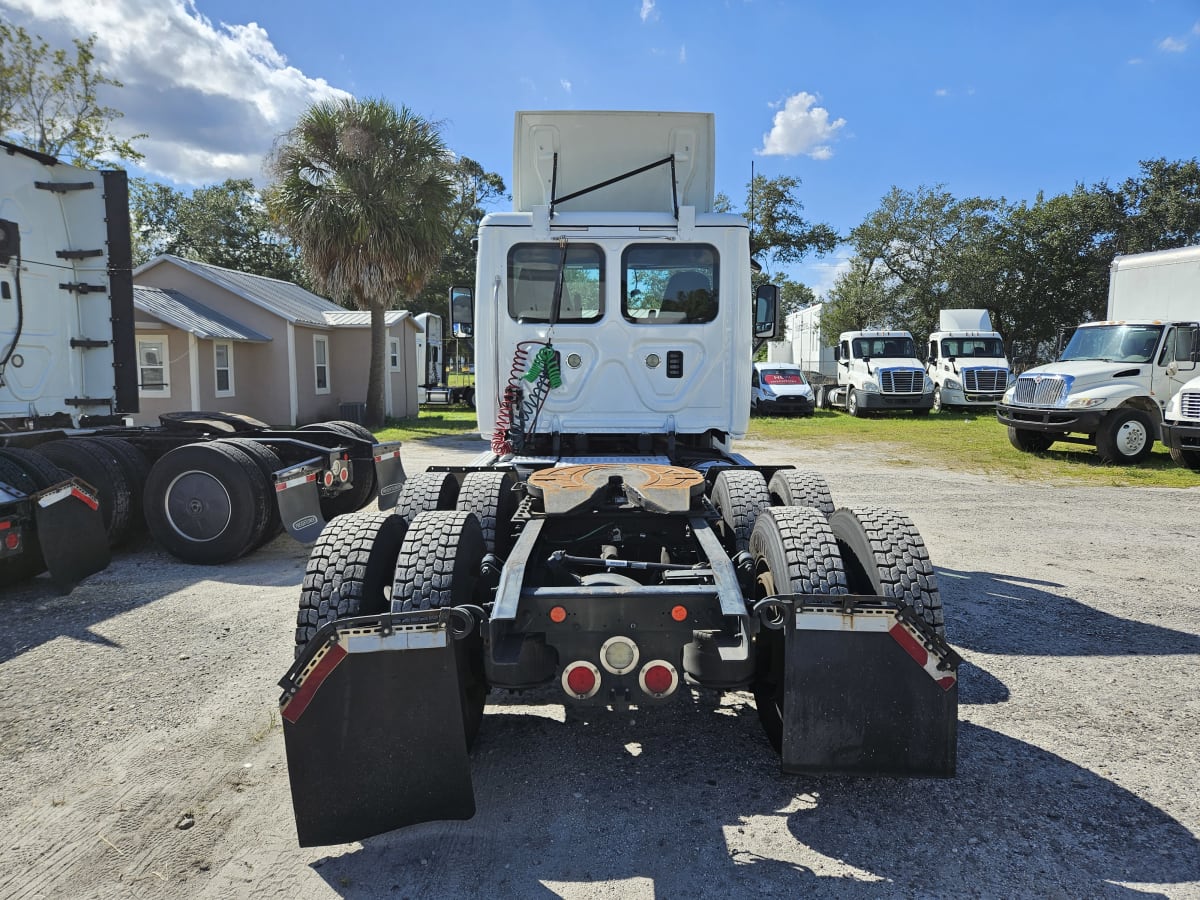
x=210, y=338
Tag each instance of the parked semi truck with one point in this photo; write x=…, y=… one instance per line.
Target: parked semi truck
x=1112, y=382
x=610, y=544
x=435, y=387
x=1181, y=425
x=966, y=361
x=209, y=485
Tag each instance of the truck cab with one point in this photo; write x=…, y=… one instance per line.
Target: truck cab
x=879, y=370
x=1181, y=425
x=966, y=361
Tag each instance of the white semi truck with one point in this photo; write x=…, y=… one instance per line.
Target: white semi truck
x=966, y=361
x=75, y=477
x=610, y=544
x=1112, y=382
x=1181, y=425
x=434, y=387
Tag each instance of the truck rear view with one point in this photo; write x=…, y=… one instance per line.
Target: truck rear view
x=609, y=545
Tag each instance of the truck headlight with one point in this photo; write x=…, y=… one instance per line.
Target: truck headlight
x=767, y=392
x=927, y=385
x=1086, y=402
x=953, y=384
x=1173, y=406
x=1008, y=395
x=870, y=387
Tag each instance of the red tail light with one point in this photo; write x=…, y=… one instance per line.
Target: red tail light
x=658, y=678
x=12, y=540
x=581, y=679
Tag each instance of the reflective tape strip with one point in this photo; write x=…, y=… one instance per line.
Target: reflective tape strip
x=303, y=479
x=391, y=454
x=836, y=620
x=70, y=490
x=294, y=708
x=910, y=640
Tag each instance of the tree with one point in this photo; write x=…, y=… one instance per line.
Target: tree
x=223, y=224
x=49, y=103
x=1161, y=209
x=779, y=234
x=858, y=299
x=365, y=191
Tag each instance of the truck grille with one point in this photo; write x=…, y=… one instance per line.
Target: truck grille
x=901, y=381
x=978, y=379
x=1189, y=404
x=1041, y=390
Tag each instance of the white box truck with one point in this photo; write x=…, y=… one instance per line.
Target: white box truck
x=966, y=361
x=1111, y=384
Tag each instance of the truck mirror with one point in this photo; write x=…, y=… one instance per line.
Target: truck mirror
x=766, y=307
x=462, y=303
x=837, y=353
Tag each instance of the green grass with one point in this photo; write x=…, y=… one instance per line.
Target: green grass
x=964, y=442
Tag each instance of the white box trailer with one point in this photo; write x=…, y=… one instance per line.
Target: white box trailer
x=810, y=351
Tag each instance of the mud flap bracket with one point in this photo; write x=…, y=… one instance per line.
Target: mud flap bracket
x=71, y=532
x=869, y=689
x=373, y=726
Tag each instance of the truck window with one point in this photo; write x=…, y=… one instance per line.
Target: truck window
x=669, y=283
x=532, y=270
x=1178, y=345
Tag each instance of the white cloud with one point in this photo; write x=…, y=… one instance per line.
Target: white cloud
x=648, y=10
x=212, y=97
x=683, y=53
x=801, y=128
x=941, y=92
x=1172, y=45
x=566, y=85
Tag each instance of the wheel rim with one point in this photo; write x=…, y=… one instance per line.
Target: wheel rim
x=852, y=403
x=937, y=399
x=198, y=507
x=1131, y=438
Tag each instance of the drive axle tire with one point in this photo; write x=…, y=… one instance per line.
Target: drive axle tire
x=852, y=406
x=739, y=496
x=1182, y=456
x=96, y=464
x=883, y=554
x=491, y=496
x=206, y=502
x=268, y=464
x=438, y=566
x=795, y=552
x=790, y=487
x=1029, y=441
x=137, y=468
x=350, y=571
x=1126, y=436
x=426, y=492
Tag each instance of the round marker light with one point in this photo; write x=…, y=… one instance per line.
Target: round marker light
x=344, y=474
x=658, y=678
x=558, y=614
x=328, y=478
x=679, y=613
x=581, y=679
x=11, y=540
x=619, y=655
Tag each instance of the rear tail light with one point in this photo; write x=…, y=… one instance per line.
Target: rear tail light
x=619, y=655
x=581, y=679
x=12, y=540
x=658, y=678
x=327, y=478
x=344, y=474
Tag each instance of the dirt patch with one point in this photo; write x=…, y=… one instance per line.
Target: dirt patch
x=141, y=754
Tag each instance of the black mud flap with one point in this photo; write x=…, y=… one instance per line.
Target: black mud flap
x=373, y=725
x=869, y=689
x=299, y=500
x=71, y=532
x=389, y=473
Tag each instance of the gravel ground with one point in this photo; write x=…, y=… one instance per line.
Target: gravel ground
x=141, y=753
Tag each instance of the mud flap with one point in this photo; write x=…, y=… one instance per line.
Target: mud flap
x=389, y=473
x=373, y=725
x=299, y=501
x=869, y=689
x=71, y=532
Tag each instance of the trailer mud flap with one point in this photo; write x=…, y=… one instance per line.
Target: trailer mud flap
x=299, y=501
x=389, y=473
x=373, y=726
x=869, y=689
x=71, y=532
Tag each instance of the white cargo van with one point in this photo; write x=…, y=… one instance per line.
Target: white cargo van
x=780, y=387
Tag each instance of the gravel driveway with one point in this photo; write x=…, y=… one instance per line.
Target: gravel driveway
x=141, y=753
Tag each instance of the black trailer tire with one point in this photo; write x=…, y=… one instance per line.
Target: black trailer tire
x=883, y=554
x=1029, y=441
x=1126, y=436
x=852, y=406
x=438, y=566
x=491, y=495
x=426, y=492
x=739, y=495
x=795, y=552
x=1183, y=456
x=350, y=571
x=268, y=464
x=96, y=464
x=791, y=487
x=28, y=563
x=206, y=502
x=362, y=472
x=137, y=468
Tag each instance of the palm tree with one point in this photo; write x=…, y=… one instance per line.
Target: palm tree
x=365, y=191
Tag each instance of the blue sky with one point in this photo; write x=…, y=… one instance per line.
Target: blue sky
x=988, y=99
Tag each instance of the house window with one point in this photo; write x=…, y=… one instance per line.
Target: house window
x=153, y=353
x=321, y=363
x=394, y=354
x=223, y=368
